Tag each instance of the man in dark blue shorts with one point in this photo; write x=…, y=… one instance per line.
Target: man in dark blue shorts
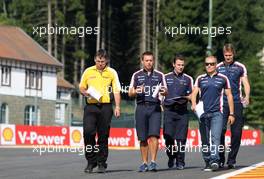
x=211, y=87
x=236, y=73
x=145, y=85
x=180, y=87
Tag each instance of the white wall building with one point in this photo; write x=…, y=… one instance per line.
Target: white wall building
x=30, y=91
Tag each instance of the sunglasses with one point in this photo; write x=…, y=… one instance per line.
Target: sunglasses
x=211, y=64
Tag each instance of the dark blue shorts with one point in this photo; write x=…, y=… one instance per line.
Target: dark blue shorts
x=148, y=121
x=175, y=124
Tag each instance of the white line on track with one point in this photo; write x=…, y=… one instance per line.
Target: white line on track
x=242, y=170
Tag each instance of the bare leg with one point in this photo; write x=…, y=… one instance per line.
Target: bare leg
x=153, y=145
x=144, y=151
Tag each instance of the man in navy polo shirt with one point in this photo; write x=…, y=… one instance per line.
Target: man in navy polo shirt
x=180, y=87
x=236, y=73
x=144, y=84
x=211, y=87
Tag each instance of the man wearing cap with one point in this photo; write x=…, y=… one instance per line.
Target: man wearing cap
x=180, y=87
x=96, y=84
x=144, y=85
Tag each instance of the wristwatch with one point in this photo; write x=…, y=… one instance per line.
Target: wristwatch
x=232, y=114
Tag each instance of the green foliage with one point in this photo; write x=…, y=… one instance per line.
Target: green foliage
x=6, y=21
x=185, y=13
x=121, y=29
x=247, y=25
x=255, y=111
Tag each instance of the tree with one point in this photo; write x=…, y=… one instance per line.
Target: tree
x=174, y=14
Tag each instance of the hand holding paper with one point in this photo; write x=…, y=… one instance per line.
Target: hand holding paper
x=94, y=93
x=156, y=91
x=199, y=109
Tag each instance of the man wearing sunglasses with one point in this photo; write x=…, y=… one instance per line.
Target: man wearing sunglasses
x=236, y=73
x=211, y=87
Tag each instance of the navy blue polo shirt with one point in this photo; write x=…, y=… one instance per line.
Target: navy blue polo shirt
x=234, y=72
x=150, y=80
x=178, y=85
x=212, y=89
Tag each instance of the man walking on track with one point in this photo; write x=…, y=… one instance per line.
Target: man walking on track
x=180, y=87
x=96, y=84
x=145, y=85
x=211, y=87
x=236, y=73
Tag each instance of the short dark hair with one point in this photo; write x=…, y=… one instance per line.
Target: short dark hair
x=229, y=47
x=147, y=53
x=102, y=54
x=211, y=56
x=178, y=57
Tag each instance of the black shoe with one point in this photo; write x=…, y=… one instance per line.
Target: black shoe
x=101, y=167
x=207, y=167
x=89, y=168
x=171, y=162
x=231, y=166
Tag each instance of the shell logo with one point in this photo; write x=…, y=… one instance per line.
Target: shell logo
x=76, y=136
x=8, y=134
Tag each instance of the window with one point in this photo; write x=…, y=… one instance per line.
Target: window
x=33, y=79
x=60, y=113
x=31, y=116
x=6, y=76
x=4, y=113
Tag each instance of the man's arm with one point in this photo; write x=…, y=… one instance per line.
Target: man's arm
x=163, y=89
x=83, y=85
x=231, y=117
x=83, y=91
x=246, y=89
x=132, y=92
x=117, y=98
x=116, y=91
x=193, y=97
x=133, y=88
x=189, y=97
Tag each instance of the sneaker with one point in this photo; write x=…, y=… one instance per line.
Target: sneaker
x=207, y=167
x=101, y=168
x=171, y=162
x=180, y=167
x=143, y=168
x=214, y=166
x=89, y=168
x=153, y=166
x=231, y=166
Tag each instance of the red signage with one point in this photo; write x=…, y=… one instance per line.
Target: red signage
x=42, y=135
x=121, y=137
x=125, y=138
x=249, y=137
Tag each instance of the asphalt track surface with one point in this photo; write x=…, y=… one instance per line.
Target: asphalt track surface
x=24, y=163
